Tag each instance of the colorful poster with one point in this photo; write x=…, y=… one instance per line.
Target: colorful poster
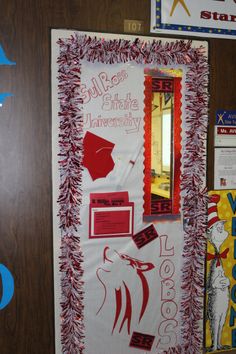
x=204, y=18
x=225, y=129
x=221, y=276
x=129, y=176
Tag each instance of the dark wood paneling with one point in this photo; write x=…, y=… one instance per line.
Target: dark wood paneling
x=26, y=325
x=222, y=89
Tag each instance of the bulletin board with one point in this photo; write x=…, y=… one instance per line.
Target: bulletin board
x=129, y=240
x=220, y=271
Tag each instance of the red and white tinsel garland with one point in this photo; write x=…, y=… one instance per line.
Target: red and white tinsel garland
x=72, y=51
x=194, y=203
x=70, y=196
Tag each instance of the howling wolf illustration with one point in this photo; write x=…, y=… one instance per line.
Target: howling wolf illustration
x=119, y=265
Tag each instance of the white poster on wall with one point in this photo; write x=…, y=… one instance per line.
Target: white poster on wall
x=225, y=168
x=204, y=18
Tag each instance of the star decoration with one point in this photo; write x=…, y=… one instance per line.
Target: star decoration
x=175, y=3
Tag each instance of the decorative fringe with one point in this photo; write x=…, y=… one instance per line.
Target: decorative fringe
x=72, y=51
x=72, y=314
x=177, y=350
x=194, y=193
x=70, y=197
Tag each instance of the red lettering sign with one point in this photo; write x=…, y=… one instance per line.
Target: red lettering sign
x=142, y=341
x=226, y=130
x=162, y=85
x=163, y=206
x=145, y=236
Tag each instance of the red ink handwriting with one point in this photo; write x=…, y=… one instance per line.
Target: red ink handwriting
x=114, y=103
x=101, y=84
x=127, y=121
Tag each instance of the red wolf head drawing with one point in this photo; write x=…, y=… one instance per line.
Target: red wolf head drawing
x=118, y=264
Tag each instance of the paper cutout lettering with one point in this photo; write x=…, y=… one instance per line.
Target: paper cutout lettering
x=3, y=58
x=7, y=286
x=3, y=97
x=97, y=156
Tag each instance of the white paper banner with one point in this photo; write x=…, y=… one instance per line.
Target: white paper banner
x=204, y=18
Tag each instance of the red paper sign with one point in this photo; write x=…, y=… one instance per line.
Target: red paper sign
x=111, y=215
x=226, y=130
x=162, y=85
x=163, y=206
x=142, y=341
x=145, y=236
x=109, y=199
x=111, y=221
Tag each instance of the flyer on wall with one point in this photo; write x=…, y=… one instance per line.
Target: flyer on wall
x=204, y=18
x=129, y=178
x=225, y=168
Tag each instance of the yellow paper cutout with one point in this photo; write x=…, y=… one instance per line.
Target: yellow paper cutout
x=175, y=3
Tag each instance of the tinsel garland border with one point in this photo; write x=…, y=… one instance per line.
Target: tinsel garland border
x=70, y=198
x=195, y=201
x=72, y=51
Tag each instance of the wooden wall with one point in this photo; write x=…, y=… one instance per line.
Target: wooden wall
x=26, y=248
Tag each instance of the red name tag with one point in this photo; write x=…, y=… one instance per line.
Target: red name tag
x=162, y=85
x=163, y=206
x=142, y=341
x=145, y=236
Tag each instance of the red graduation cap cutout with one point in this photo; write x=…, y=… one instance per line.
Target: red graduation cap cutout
x=97, y=155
